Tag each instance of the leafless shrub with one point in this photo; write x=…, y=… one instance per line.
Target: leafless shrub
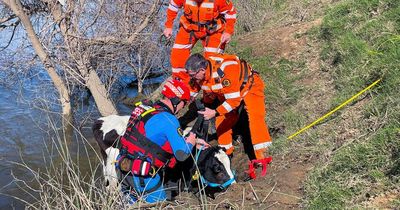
x=89, y=44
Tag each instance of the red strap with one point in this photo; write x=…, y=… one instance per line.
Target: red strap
x=141, y=167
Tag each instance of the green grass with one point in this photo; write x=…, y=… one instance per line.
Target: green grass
x=278, y=75
x=365, y=167
x=251, y=13
x=361, y=44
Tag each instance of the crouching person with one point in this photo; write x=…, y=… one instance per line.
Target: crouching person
x=153, y=140
x=238, y=91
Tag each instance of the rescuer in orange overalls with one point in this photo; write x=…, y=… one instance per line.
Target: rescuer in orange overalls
x=234, y=84
x=211, y=21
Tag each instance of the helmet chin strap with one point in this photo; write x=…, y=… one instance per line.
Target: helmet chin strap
x=174, y=101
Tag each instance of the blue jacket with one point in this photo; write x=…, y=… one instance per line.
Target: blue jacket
x=164, y=128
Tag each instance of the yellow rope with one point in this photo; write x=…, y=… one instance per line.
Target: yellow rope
x=334, y=110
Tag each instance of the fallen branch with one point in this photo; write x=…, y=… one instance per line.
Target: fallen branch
x=244, y=190
x=254, y=192
x=293, y=196
x=271, y=205
x=269, y=193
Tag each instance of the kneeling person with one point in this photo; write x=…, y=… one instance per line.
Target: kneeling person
x=153, y=140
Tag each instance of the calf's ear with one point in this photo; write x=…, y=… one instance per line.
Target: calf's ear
x=96, y=129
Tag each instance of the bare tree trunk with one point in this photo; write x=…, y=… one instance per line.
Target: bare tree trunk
x=16, y=7
x=100, y=95
x=92, y=80
x=157, y=93
x=140, y=85
x=89, y=40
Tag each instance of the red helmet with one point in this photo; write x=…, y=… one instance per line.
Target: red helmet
x=176, y=88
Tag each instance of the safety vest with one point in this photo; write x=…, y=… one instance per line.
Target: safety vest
x=135, y=143
x=201, y=17
x=216, y=73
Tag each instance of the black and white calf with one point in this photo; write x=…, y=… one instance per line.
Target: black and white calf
x=213, y=163
x=106, y=131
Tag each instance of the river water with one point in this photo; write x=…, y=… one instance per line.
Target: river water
x=17, y=140
x=25, y=134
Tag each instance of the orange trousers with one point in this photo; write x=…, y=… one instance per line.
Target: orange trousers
x=184, y=42
x=254, y=105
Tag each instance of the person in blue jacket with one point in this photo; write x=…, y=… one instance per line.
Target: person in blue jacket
x=154, y=140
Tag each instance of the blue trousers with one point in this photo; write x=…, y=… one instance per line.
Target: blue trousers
x=149, y=189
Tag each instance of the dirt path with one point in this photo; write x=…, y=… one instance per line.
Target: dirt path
x=282, y=188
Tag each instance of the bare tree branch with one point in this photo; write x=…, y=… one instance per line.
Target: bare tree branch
x=94, y=43
x=154, y=9
x=95, y=18
x=12, y=35
x=6, y=19
x=17, y=8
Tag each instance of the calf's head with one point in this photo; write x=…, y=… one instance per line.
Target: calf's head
x=215, y=168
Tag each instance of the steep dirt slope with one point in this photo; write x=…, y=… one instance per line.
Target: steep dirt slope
x=282, y=187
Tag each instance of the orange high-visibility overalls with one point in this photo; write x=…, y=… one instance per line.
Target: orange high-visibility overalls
x=205, y=21
x=232, y=82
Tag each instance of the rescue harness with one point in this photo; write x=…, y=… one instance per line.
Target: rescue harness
x=246, y=72
x=138, y=154
x=201, y=19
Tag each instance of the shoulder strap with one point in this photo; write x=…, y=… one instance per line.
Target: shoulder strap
x=220, y=73
x=210, y=66
x=146, y=144
x=244, y=71
x=148, y=111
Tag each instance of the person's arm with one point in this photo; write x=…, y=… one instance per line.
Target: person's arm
x=226, y=8
x=172, y=12
x=181, y=147
x=230, y=88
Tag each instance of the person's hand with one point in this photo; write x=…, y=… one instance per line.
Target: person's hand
x=226, y=38
x=192, y=98
x=191, y=138
x=208, y=113
x=200, y=143
x=167, y=32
